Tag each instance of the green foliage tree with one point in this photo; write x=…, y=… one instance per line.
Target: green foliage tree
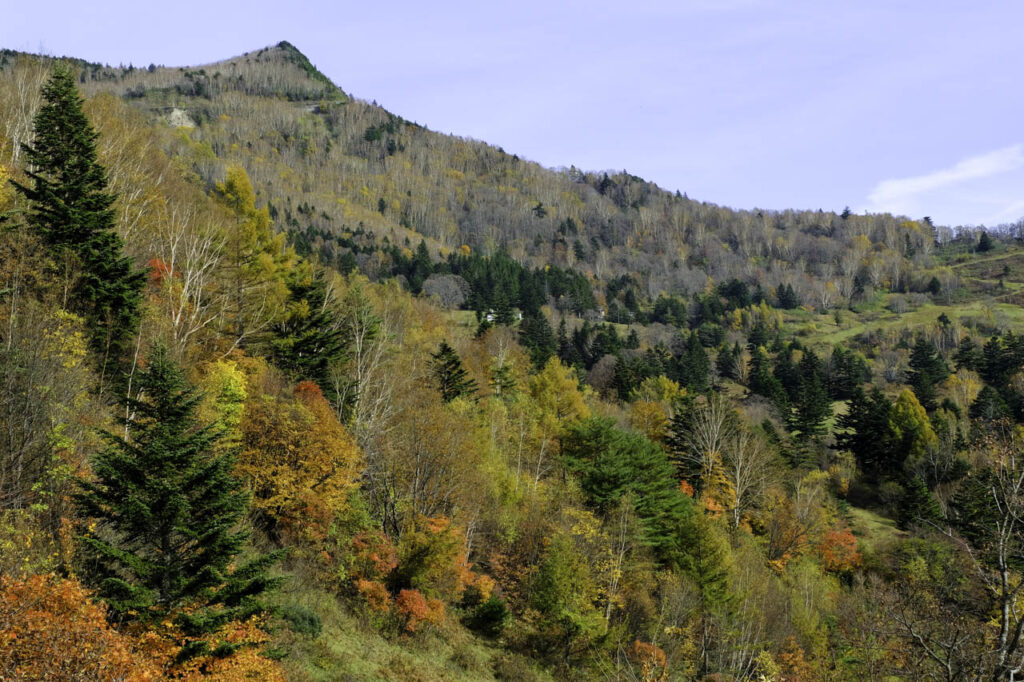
x=917, y=506
x=453, y=381
x=705, y=558
x=257, y=261
x=73, y=212
x=927, y=369
x=166, y=511
x=866, y=431
x=308, y=341
x=912, y=432
x=536, y=336
x=611, y=463
x=562, y=591
x=810, y=401
x=984, y=243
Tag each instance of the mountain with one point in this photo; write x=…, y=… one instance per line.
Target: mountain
x=331, y=166
x=469, y=418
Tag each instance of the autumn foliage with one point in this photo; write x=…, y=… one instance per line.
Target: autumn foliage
x=302, y=462
x=49, y=629
x=651, y=661
x=838, y=551
x=415, y=609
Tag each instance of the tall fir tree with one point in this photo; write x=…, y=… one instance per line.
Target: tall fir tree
x=536, y=336
x=166, y=510
x=453, y=381
x=811, y=404
x=927, y=368
x=307, y=341
x=866, y=431
x=73, y=212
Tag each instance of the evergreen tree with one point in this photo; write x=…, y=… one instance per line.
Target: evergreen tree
x=503, y=381
x=917, y=506
x=989, y=406
x=787, y=297
x=72, y=210
x=693, y=367
x=984, y=243
x=166, y=511
x=866, y=431
x=763, y=382
x=453, y=381
x=536, y=336
x=307, y=341
x=611, y=463
x=811, y=404
x=968, y=355
x=927, y=368
x=725, y=361
x=503, y=313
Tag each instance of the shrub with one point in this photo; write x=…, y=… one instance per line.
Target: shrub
x=302, y=620
x=50, y=630
x=489, y=617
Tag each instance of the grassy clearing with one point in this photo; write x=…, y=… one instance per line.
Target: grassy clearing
x=349, y=649
x=872, y=529
x=822, y=330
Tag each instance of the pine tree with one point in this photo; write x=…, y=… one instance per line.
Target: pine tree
x=453, y=381
x=72, y=211
x=166, y=511
x=611, y=463
x=865, y=430
x=927, y=368
x=811, y=404
x=308, y=341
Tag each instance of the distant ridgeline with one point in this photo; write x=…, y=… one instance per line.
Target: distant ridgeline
x=362, y=187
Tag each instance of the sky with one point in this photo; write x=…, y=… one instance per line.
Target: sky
x=909, y=107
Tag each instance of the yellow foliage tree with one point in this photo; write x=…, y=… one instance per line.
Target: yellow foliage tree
x=301, y=461
x=257, y=260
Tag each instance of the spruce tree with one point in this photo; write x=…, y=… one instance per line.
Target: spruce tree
x=70, y=207
x=866, y=431
x=453, y=381
x=166, y=510
x=536, y=336
x=927, y=368
x=811, y=404
x=917, y=506
x=308, y=341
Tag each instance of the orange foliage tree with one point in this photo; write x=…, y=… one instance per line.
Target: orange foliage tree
x=50, y=630
x=652, y=661
x=416, y=609
x=838, y=551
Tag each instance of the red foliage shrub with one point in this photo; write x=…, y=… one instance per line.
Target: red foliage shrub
x=416, y=609
x=838, y=551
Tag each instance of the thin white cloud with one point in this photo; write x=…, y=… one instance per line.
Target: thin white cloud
x=903, y=195
x=1012, y=212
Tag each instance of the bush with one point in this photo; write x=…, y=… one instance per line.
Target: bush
x=301, y=620
x=50, y=630
x=489, y=617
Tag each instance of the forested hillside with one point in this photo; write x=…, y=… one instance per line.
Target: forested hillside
x=293, y=388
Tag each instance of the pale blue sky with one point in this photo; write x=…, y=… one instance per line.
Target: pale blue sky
x=884, y=105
